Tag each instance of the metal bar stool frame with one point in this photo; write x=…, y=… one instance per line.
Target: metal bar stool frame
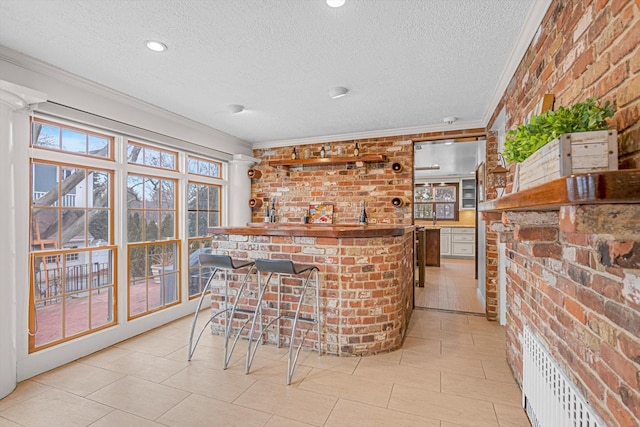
x=280, y=267
x=222, y=263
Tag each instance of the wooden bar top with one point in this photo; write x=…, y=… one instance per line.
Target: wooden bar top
x=314, y=230
x=621, y=186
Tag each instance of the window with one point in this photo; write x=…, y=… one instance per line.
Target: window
x=198, y=166
x=73, y=284
x=153, y=250
x=151, y=156
x=53, y=136
x=439, y=200
x=203, y=211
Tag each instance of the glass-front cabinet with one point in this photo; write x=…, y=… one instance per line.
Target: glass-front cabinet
x=440, y=200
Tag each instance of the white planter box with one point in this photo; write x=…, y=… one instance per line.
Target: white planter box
x=572, y=153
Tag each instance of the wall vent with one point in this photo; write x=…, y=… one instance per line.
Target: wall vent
x=548, y=396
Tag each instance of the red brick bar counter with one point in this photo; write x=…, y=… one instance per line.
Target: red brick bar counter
x=366, y=277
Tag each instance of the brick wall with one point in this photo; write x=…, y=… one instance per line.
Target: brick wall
x=574, y=275
x=344, y=185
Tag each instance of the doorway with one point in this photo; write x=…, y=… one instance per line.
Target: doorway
x=445, y=199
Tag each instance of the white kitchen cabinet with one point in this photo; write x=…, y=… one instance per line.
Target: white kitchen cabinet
x=445, y=241
x=467, y=194
x=463, y=242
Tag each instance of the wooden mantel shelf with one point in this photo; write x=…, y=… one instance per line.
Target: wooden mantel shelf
x=367, y=158
x=621, y=186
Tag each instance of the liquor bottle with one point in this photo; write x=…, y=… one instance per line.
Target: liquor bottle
x=363, y=214
x=267, y=214
x=272, y=214
x=356, y=150
x=323, y=153
x=294, y=154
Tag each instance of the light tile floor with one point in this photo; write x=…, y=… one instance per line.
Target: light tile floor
x=451, y=286
x=450, y=372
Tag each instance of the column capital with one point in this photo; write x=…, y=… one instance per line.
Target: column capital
x=19, y=97
x=242, y=158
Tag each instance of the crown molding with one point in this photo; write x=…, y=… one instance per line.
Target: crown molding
x=24, y=61
x=409, y=131
x=528, y=31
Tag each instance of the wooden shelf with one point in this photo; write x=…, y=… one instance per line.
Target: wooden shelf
x=368, y=158
x=619, y=186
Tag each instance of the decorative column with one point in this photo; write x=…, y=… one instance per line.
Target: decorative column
x=240, y=189
x=14, y=160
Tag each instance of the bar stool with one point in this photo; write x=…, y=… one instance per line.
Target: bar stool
x=222, y=262
x=285, y=267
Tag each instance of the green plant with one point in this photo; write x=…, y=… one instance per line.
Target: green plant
x=523, y=141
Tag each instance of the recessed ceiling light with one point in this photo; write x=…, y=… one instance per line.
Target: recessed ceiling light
x=338, y=92
x=448, y=143
x=156, y=46
x=335, y=3
x=235, y=108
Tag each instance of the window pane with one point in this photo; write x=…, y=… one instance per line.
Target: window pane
x=98, y=146
x=203, y=167
x=151, y=193
x=445, y=194
x=99, y=227
x=44, y=231
x=214, y=219
x=99, y=194
x=213, y=197
x=46, y=135
x=214, y=169
x=135, y=154
x=135, y=191
x=137, y=264
x=203, y=196
x=102, y=307
x=73, y=187
x=198, y=275
x=202, y=223
x=168, y=194
x=192, y=196
x=445, y=211
x=134, y=227
x=151, y=157
x=168, y=226
x=168, y=161
x=76, y=314
x=74, y=142
x=74, y=234
x=192, y=165
x=192, y=224
x=151, y=229
x=45, y=179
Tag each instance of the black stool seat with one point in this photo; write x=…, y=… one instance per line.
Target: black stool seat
x=223, y=261
x=275, y=266
x=284, y=266
x=227, y=263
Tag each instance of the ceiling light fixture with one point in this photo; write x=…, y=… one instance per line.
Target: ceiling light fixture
x=335, y=3
x=450, y=120
x=156, y=46
x=235, y=108
x=338, y=92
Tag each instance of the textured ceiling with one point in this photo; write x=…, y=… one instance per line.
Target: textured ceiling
x=406, y=63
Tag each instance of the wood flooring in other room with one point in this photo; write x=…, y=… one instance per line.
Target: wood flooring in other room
x=452, y=286
x=450, y=372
